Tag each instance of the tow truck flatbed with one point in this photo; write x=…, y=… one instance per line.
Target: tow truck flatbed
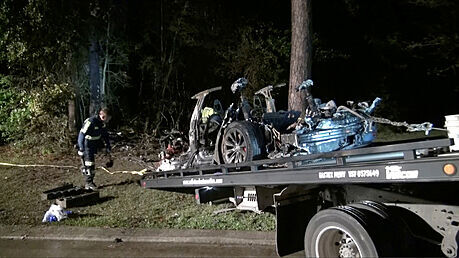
x=367, y=202
x=391, y=163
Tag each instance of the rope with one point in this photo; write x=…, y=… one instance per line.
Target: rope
x=134, y=172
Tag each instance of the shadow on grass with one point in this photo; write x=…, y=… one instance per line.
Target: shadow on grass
x=104, y=199
x=85, y=215
x=126, y=182
x=95, y=202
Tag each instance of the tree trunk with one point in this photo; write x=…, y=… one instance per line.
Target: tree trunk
x=94, y=77
x=72, y=117
x=103, y=87
x=301, y=51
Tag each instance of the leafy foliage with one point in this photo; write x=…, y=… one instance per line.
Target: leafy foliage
x=37, y=117
x=261, y=56
x=14, y=112
x=154, y=55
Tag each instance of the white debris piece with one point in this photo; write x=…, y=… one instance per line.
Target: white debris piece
x=56, y=211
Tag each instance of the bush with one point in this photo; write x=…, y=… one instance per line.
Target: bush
x=36, y=119
x=14, y=113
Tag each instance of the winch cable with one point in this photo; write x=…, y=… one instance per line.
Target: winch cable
x=133, y=172
x=426, y=126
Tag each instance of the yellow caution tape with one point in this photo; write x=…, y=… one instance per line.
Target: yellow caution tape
x=139, y=172
x=35, y=165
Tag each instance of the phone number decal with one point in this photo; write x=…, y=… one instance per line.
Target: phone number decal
x=362, y=173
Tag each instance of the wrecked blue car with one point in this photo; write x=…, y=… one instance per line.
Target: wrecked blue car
x=245, y=132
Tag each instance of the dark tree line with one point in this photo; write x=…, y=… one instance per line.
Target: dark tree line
x=150, y=57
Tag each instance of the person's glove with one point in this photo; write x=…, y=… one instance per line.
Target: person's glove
x=109, y=164
x=80, y=153
x=108, y=156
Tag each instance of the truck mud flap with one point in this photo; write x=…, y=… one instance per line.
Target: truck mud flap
x=292, y=216
x=210, y=194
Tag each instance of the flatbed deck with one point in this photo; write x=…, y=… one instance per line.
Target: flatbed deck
x=417, y=161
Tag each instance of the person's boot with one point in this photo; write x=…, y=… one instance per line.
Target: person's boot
x=90, y=186
x=89, y=178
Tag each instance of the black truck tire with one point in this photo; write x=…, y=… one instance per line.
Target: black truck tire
x=242, y=142
x=401, y=239
x=346, y=232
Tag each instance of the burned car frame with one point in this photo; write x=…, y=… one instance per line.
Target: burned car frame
x=243, y=133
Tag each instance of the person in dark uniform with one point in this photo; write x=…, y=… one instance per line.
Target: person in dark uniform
x=91, y=135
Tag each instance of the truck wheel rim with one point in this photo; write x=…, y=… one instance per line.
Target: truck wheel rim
x=336, y=242
x=234, y=147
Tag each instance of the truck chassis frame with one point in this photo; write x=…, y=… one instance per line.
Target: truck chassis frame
x=404, y=191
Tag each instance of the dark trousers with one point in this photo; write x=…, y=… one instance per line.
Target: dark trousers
x=89, y=165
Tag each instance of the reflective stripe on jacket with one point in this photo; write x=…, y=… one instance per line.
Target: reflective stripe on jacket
x=93, y=129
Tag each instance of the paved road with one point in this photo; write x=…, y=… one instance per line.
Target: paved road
x=65, y=241
x=71, y=248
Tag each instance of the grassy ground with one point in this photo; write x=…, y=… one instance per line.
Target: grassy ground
x=123, y=202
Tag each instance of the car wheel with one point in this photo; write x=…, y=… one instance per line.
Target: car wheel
x=241, y=143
